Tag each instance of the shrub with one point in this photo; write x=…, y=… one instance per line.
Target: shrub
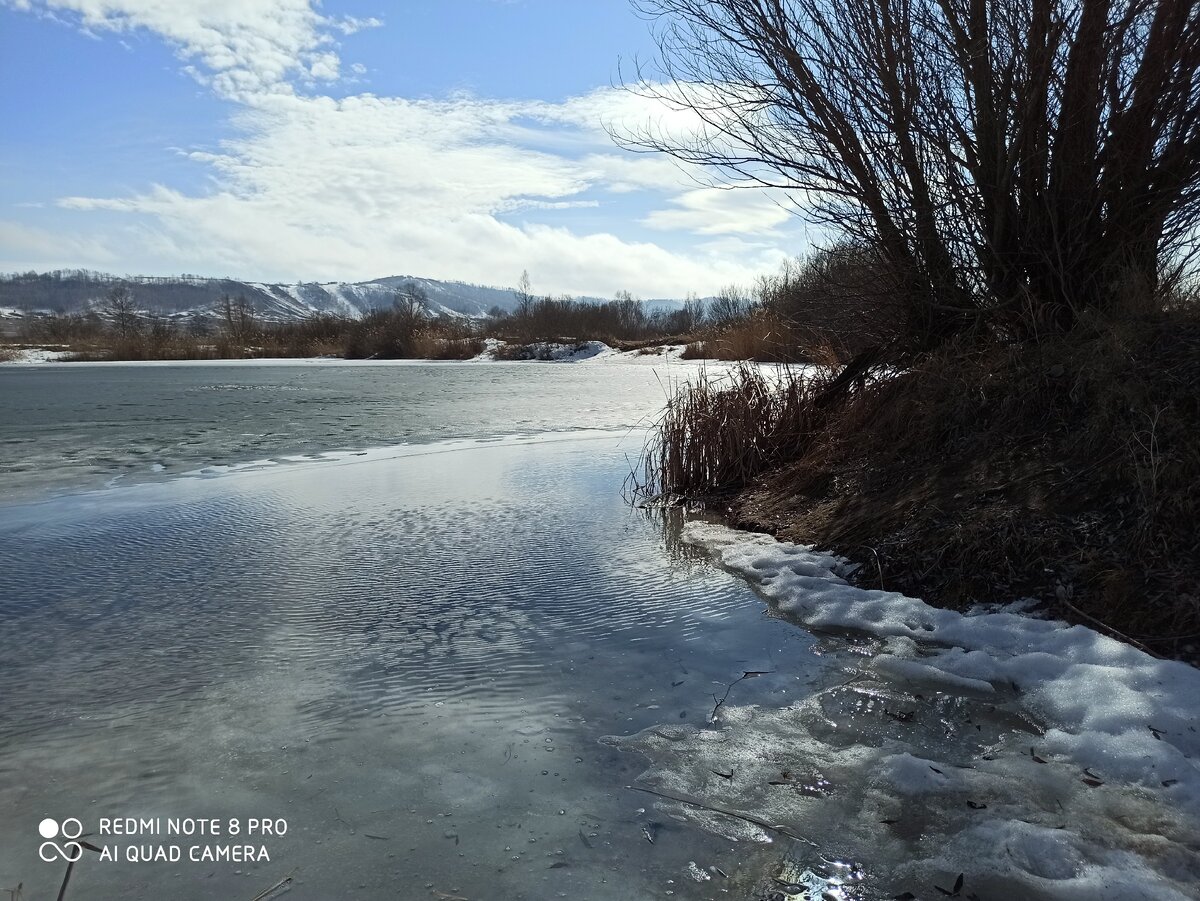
x=430, y=346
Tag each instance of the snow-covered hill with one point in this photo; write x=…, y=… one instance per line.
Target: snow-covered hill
x=75, y=291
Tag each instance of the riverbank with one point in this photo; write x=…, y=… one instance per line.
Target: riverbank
x=1063, y=470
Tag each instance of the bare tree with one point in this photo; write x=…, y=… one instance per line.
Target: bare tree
x=1014, y=161
x=630, y=314
x=524, y=295
x=199, y=324
x=730, y=305
x=237, y=318
x=392, y=333
x=121, y=310
x=690, y=316
x=412, y=301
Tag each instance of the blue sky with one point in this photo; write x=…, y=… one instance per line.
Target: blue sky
x=287, y=140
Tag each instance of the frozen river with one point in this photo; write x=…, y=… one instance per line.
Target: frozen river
x=402, y=614
x=65, y=427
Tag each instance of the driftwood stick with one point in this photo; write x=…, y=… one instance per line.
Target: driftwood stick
x=1109, y=629
x=278, y=885
x=747, y=674
x=62, y=892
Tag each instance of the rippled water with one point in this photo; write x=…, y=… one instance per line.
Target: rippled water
x=411, y=659
x=83, y=425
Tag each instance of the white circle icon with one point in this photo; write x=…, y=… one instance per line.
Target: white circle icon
x=48, y=828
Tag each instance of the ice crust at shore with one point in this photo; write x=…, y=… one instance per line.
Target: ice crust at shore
x=1105, y=704
x=1039, y=759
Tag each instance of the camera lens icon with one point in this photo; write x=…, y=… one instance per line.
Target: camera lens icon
x=70, y=850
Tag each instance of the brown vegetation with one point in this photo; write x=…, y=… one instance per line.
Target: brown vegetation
x=825, y=308
x=429, y=346
x=1065, y=469
x=622, y=322
x=116, y=329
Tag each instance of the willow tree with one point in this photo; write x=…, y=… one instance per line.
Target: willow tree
x=1015, y=162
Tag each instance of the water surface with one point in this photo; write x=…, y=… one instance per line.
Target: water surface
x=70, y=426
x=410, y=658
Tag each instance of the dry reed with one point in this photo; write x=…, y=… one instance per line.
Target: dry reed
x=719, y=432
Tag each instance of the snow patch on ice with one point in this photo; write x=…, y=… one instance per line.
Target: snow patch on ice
x=909, y=775
x=912, y=671
x=1108, y=705
x=594, y=352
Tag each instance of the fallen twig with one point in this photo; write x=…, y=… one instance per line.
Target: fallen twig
x=1109, y=629
x=278, y=885
x=748, y=674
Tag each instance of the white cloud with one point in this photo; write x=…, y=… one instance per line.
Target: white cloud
x=722, y=211
x=364, y=186
x=351, y=25
x=559, y=204
x=25, y=246
x=367, y=186
x=239, y=46
x=628, y=173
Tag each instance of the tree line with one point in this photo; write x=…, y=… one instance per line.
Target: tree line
x=120, y=327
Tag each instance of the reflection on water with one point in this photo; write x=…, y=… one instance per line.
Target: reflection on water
x=410, y=660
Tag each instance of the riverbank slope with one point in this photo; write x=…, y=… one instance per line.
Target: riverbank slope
x=1064, y=470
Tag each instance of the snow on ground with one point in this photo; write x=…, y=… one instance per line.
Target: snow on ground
x=583, y=352
x=1106, y=704
x=28, y=355
x=1041, y=760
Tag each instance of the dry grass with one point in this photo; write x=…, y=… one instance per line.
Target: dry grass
x=142, y=348
x=718, y=433
x=769, y=337
x=382, y=335
x=1066, y=469
x=761, y=338
x=431, y=347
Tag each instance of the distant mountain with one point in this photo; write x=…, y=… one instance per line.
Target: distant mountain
x=77, y=291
